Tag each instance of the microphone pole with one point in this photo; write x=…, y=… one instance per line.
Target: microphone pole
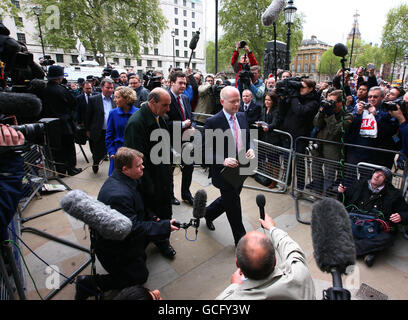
x=275, y=66
x=337, y=292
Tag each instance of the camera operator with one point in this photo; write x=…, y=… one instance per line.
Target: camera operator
x=11, y=175
x=58, y=102
x=329, y=121
x=206, y=99
x=298, y=104
x=401, y=114
x=247, y=59
x=394, y=94
x=257, y=86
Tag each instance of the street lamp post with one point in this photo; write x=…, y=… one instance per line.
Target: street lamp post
x=37, y=11
x=405, y=67
x=173, y=34
x=290, y=12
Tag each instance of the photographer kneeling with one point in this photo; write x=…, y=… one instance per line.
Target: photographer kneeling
x=329, y=122
x=298, y=104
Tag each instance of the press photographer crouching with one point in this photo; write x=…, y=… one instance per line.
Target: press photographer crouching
x=124, y=260
x=298, y=104
x=11, y=175
x=376, y=208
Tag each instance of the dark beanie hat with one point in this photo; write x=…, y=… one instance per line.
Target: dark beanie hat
x=115, y=74
x=55, y=72
x=387, y=173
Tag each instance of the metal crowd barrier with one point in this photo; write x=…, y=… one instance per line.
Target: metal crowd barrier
x=200, y=119
x=273, y=163
x=316, y=178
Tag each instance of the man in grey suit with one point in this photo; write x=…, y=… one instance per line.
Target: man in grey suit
x=96, y=120
x=270, y=267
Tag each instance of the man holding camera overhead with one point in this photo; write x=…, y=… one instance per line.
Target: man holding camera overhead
x=247, y=58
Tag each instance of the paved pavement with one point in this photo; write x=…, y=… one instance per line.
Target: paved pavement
x=201, y=268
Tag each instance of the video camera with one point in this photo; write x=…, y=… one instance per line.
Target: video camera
x=328, y=106
x=47, y=61
x=393, y=105
x=242, y=44
x=289, y=87
x=245, y=76
x=151, y=80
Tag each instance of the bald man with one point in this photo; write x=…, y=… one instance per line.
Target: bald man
x=157, y=178
x=270, y=267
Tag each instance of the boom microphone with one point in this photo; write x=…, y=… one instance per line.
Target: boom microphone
x=260, y=201
x=340, y=50
x=22, y=105
x=109, y=223
x=272, y=12
x=332, y=237
x=199, y=204
x=194, y=40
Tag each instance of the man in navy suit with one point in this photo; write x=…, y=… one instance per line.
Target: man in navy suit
x=82, y=101
x=97, y=119
x=251, y=109
x=180, y=115
x=236, y=129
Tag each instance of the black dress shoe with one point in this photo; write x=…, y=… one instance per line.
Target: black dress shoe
x=209, y=224
x=85, y=287
x=369, y=260
x=95, y=168
x=189, y=200
x=74, y=171
x=175, y=201
x=167, y=251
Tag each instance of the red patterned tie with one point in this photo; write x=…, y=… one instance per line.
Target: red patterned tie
x=181, y=108
x=236, y=133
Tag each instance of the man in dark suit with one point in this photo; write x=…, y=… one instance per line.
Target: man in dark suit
x=82, y=101
x=59, y=103
x=180, y=115
x=156, y=180
x=251, y=109
x=96, y=121
x=236, y=130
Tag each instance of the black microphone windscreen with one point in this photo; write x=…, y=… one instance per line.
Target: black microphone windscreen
x=340, y=50
x=199, y=204
x=194, y=40
x=272, y=12
x=332, y=237
x=260, y=200
x=24, y=105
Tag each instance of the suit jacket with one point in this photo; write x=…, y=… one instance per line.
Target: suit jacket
x=290, y=280
x=95, y=116
x=81, y=107
x=216, y=156
x=174, y=117
x=253, y=113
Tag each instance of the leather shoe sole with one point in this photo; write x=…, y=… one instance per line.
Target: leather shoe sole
x=168, y=251
x=189, y=200
x=209, y=224
x=175, y=202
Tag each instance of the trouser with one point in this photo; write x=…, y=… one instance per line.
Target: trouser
x=98, y=148
x=380, y=242
x=186, y=178
x=65, y=157
x=230, y=203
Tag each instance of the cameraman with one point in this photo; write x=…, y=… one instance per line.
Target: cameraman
x=401, y=115
x=247, y=58
x=11, y=175
x=257, y=86
x=298, y=104
x=329, y=121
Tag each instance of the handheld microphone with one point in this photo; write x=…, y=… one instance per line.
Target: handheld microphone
x=272, y=12
x=22, y=105
x=260, y=201
x=109, y=223
x=333, y=243
x=194, y=40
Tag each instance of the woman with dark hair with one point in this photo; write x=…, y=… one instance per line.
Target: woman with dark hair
x=269, y=118
x=124, y=98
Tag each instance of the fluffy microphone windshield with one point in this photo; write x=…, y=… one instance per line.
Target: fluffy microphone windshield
x=109, y=223
x=332, y=237
x=272, y=12
x=24, y=105
x=199, y=204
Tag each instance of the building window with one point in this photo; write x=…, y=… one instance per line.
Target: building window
x=185, y=23
x=306, y=57
x=185, y=33
x=312, y=67
x=59, y=57
x=306, y=68
x=176, y=21
x=175, y=1
x=116, y=61
x=186, y=43
x=298, y=68
x=185, y=54
x=149, y=63
x=176, y=32
x=177, y=53
x=177, y=64
x=194, y=54
x=18, y=21
x=185, y=65
x=185, y=13
x=175, y=10
x=313, y=57
x=127, y=62
x=192, y=5
x=184, y=3
x=177, y=42
x=21, y=37
x=193, y=14
x=293, y=67
x=193, y=25
x=139, y=63
x=146, y=50
x=156, y=52
x=194, y=65
x=16, y=3
x=74, y=58
x=159, y=64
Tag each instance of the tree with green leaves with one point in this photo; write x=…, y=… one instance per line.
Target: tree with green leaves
x=365, y=53
x=102, y=25
x=329, y=63
x=241, y=20
x=395, y=33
